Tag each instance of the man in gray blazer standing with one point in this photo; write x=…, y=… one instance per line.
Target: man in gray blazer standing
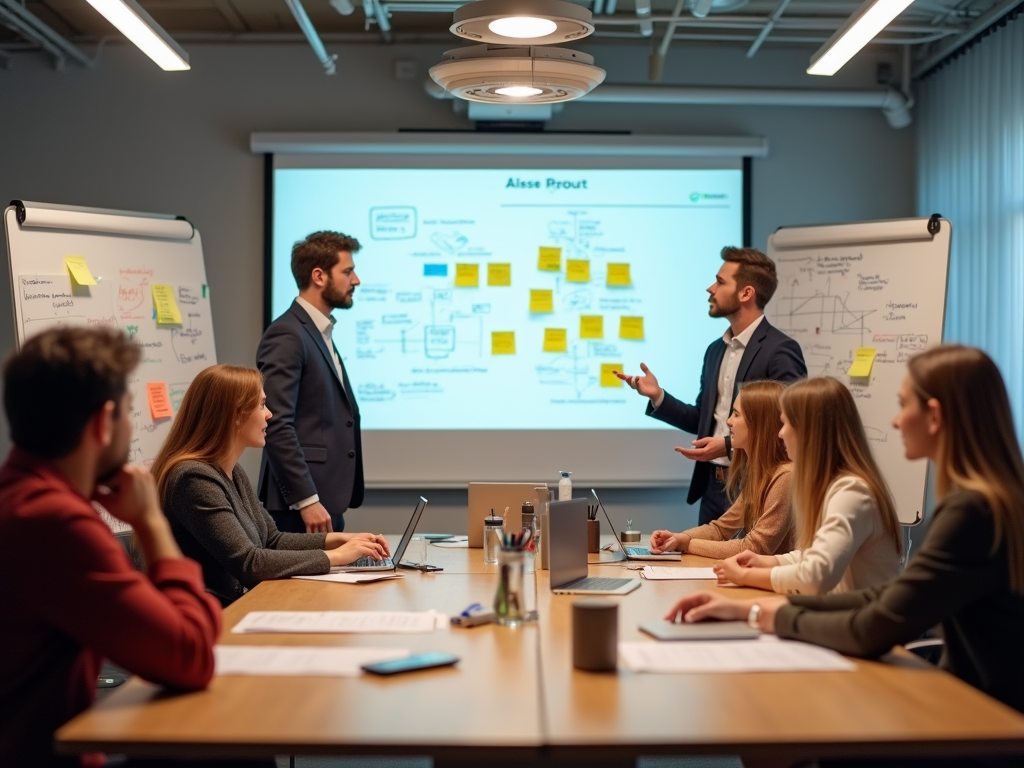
x=312, y=468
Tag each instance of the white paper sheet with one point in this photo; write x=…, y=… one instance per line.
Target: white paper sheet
x=352, y=578
x=660, y=572
x=764, y=655
x=298, y=661
x=458, y=542
x=340, y=622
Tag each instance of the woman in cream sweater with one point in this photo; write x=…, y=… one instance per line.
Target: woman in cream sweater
x=848, y=533
x=758, y=485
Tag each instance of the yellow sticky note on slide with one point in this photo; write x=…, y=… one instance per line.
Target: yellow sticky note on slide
x=863, y=360
x=608, y=377
x=549, y=259
x=499, y=274
x=631, y=328
x=591, y=326
x=542, y=300
x=79, y=270
x=503, y=342
x=467, y=275
x=618, y=274
x=554, y=340
x=167, y=312
x=577, y=270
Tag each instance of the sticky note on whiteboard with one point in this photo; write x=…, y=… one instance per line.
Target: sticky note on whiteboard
x=631, y=328
x=79, y=270
x=591, y=326
x=618, y=274
x=577, y=270
x=499, y=274
x=555, y=340
x=467, y=275
x=549, y=259
x=503, y=342
x=608, y=377
x=166, y=308
x=863, y=360
x=159, y=402
x=542, y=300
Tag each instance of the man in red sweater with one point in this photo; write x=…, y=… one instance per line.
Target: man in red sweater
x=71, y=595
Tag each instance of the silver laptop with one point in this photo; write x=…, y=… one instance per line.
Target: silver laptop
x=567, y=554
x=634, y=552
x=364, y=564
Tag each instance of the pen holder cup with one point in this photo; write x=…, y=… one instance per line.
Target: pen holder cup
x=593, y=536
x=512, y=603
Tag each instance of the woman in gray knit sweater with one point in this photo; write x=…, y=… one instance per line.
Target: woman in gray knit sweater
x=214, y=513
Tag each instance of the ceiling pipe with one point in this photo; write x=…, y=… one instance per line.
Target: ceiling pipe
x=302, y=19
x=27, y=24
x=656, y=63
x=767, y=29
x=894, y=105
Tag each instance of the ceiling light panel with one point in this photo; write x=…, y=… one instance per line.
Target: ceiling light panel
x=541, y=22
x=861, y=28
x=139, y=27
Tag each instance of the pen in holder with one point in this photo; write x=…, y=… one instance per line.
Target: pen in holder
x=510, y=607
x=593, y=536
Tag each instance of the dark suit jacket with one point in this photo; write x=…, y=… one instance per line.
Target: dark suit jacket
x=313, y=440
x=770, y=355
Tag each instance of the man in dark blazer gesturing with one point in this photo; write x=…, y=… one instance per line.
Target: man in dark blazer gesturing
x=751, y=350
x=312, y=467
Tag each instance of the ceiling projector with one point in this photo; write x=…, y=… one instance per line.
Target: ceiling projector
x=502, y=74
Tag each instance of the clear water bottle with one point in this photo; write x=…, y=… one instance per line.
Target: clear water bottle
x=565, y=487
x=494, y=534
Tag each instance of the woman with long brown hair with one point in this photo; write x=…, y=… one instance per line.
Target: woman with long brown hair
x=848, y=535
x=758, y=485
x=968, y=574
x=214, y=513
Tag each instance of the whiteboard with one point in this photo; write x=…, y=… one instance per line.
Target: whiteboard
x=878, y=285
x=126, y=253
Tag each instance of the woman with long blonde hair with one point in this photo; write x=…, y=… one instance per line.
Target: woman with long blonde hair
x=214, y=513
x=758, y=485
x=848, y=535
x=968, y=574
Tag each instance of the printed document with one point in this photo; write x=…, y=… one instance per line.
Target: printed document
x=298, y=661
x=768, y=654
x=659, y=572
x=340, y=622
x=352, y=578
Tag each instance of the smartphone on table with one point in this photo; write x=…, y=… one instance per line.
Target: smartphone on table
x=411, y=663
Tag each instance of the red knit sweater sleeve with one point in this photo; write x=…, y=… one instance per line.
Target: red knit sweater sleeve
x=162, y=628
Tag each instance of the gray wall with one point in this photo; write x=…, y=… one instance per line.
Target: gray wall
x=126, y=135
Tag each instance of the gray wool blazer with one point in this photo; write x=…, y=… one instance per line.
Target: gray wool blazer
x=219, y=522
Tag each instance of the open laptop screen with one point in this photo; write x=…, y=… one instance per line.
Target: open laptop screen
x=396, y=557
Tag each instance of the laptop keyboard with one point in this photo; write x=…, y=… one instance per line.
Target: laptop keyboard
x=366, y=562
x=638, y=551
x=596, y=583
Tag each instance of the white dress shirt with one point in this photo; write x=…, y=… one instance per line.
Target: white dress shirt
x=324, y=324
x=735, y=347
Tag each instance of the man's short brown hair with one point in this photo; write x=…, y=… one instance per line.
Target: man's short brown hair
x=319, y=249
x=59, y=380
x=755, y=270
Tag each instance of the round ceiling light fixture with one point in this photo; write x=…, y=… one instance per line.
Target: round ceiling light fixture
x=498, y=74
x=542, y=22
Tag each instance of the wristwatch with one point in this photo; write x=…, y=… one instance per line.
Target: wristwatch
x=753, y=616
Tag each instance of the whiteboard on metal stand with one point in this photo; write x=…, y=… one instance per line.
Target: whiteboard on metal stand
x=878, y=285
x=127, y=254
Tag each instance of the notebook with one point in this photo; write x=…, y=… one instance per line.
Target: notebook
x=567, y=554
x=364, y=564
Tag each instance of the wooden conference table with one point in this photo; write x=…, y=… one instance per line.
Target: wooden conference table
x=516, y=696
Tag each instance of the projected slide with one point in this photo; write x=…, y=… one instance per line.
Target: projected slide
x=503, y=299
